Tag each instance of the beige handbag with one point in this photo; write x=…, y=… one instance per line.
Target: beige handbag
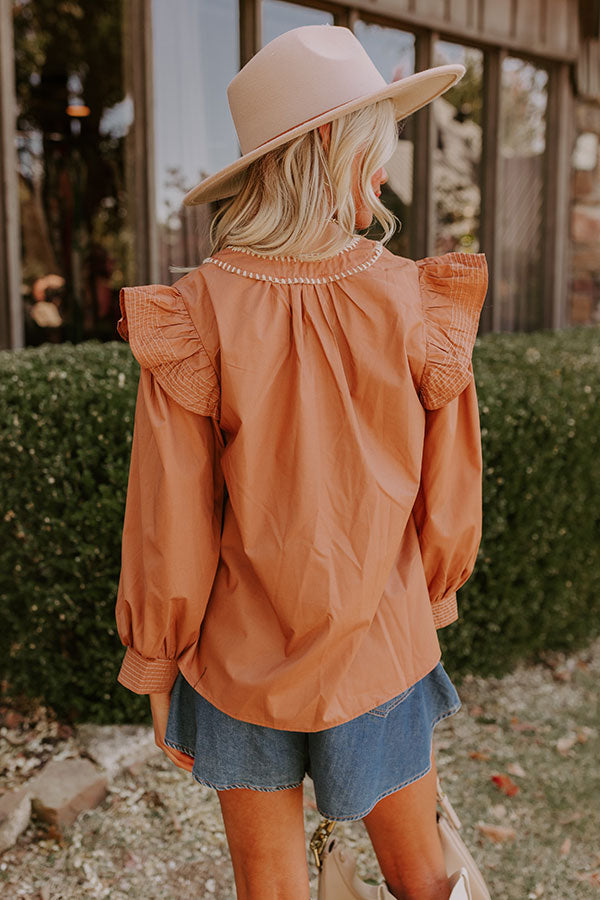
x=337, y=866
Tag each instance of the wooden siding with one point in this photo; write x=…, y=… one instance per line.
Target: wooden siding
x=11, y=309
x=588, y=70
x=546, y=28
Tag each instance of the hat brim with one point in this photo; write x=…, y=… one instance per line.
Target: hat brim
x=409, y=94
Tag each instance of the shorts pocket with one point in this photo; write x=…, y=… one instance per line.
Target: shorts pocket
x=385, y=708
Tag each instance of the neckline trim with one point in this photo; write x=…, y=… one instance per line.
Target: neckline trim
x=321, y=278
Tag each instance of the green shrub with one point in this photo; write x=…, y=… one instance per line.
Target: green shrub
x=66, y=414
x=66, y=418
x=536, y=583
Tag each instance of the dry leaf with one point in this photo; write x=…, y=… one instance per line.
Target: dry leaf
x=478, y=754
x=584, y=733
x=565, y=743
x=561, y=675
x=569, y=817
x=505, y=784
x=476, y=710
x=515, y=769
x=497, y=833
x=522, y=726
x=175, y=821
x=565, y=847
x=536, y=892
x=591, y=877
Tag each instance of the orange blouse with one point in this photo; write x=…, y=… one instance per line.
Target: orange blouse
x=304, y=495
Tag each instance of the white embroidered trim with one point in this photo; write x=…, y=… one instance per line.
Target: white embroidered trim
x=350, y=246
x=298, y=279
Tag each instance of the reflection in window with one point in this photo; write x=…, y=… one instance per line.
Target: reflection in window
x=72, y=119
x=278, y=17
x=522, y=148
x=195, y=56
x=457, y=153
x=393, y=52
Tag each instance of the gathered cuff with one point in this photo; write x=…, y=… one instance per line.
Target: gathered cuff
x=453, y=289
x=445, y=611
x=147, y=676
x=163, y=338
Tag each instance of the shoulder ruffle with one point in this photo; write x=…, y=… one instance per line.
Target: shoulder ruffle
x=163, y=338
x=453, y=289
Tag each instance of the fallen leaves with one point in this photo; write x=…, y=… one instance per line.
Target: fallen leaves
x=592, y=878
x=497, y=833
x=479, y=754
x=505, y=784
x=568, y=741
x=517, y=725
x=565, y=847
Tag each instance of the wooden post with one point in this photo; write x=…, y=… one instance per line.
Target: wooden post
x=424, y=131
x=250, y=29
x=559, y=142
x=138, y=67
x=490, y=216
x=12, y=329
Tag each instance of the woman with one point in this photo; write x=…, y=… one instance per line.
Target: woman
x=304, y=495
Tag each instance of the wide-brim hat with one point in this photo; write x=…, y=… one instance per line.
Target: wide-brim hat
x=302, y=79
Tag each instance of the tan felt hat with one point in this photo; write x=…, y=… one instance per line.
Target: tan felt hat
x=302, y=79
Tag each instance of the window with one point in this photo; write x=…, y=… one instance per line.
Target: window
x=522, y=148
x=73, y=116
x=457, y=153
x=195, y=56
x=278, y=17
x=393, y=52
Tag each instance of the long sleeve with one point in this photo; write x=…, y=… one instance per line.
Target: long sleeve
x=448, y=508
x=447, y=511
x=171, y=537
x=173, y=511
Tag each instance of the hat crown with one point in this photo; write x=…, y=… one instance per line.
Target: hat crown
x=296, y=77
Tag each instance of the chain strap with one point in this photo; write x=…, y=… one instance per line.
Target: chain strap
x=318, y=841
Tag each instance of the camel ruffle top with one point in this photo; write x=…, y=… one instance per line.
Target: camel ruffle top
x=304, y=495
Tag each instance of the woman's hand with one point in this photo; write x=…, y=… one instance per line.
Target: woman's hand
x=159, y=705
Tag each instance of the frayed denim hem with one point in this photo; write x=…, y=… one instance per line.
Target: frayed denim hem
x=397, y=787
x=248, y=787
x=230, y=787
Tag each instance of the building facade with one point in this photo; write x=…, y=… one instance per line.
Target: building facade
x=110, y=112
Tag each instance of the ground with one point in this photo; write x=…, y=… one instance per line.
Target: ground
x=159, y=834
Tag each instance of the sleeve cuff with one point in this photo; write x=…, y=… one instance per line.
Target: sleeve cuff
x=147, y=676
x=445, y=611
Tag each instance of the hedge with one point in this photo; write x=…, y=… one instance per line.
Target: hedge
x=66, y=418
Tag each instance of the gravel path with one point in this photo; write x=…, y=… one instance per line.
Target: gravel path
x=159, y=834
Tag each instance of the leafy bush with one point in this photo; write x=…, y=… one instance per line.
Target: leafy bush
x=536, y=583
x=65, y=440
x=66, y=419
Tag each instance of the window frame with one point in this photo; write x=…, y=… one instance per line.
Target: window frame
x=557, y=156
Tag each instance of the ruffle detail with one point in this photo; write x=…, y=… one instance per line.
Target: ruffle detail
x=163, y=338
x=453, y=289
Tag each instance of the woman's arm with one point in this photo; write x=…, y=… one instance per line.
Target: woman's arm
x=448, y=509
x=171, y=536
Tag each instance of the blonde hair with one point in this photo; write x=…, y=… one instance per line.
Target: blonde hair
x=289, y=195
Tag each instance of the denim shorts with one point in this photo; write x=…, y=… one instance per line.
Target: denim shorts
x=352, y=765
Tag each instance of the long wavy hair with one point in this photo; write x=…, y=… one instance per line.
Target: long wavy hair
x=289, y=195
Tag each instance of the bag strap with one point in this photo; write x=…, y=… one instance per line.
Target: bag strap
x=442, y=799
x=321, y=834
x=318, y=841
